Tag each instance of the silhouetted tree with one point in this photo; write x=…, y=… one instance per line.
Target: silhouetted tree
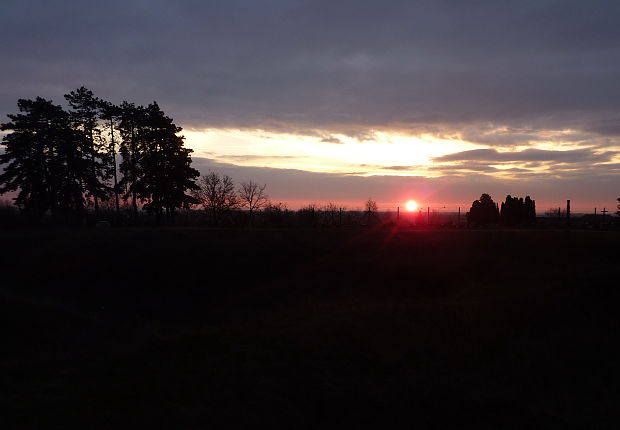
x=370, y=205
x=276, y=206
x=274, y=214
x=216, y=194
x=530, y=210
x=483, y=211
x=43, y=158
x=131, y=129
x=111, y=115
x=84, y=115
x=57, y=159
x=556, y=213
x=252, y=196
x=165, y=168
x=618, y=213
x=330, y=210
x=518, y=211
x=370, y=214
x=308, y=214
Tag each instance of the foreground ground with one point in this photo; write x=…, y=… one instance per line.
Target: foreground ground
x=184, y=328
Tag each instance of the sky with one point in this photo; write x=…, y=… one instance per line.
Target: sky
x=437, y=101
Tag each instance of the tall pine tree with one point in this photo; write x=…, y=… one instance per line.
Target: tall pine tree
x=131, y=128
x=84, y=114
x=56, y=160
x=111, y=114
x=165, y=166
x=43, y=161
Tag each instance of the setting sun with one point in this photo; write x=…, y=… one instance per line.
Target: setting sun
x=411, y=205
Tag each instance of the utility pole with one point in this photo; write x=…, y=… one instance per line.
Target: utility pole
x=340, y=218
x=397, y=214
x=458, y=220
x=567, y=213
x=604, y=211
x=428, y=215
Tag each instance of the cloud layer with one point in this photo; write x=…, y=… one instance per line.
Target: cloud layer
x=450, y=191
x=528, y=155
x=347, y=65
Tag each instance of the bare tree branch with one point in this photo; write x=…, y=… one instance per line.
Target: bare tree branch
x=252, y=196
x=216, y=194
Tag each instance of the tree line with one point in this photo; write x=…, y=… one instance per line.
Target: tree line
x=62, y=162
x=513, y=211
x=65, y=162
x=218, y=196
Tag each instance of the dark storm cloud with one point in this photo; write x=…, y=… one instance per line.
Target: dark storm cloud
x=348, y=65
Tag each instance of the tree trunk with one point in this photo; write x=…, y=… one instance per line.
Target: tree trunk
x=93, y=174
x=114, y=169
x=134, y=175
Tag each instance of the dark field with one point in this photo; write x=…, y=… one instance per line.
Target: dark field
x=184, y=328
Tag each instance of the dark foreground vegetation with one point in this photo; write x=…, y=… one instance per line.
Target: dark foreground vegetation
x=187, y=328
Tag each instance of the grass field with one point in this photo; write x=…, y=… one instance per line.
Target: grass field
x=186, y=328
